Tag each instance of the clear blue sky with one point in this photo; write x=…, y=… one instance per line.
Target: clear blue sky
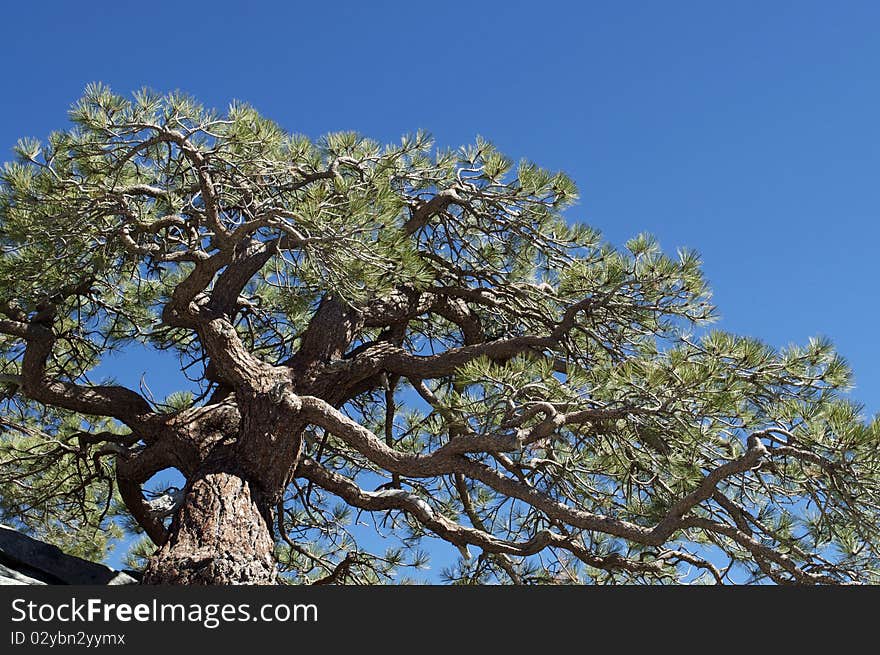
x=749, y=131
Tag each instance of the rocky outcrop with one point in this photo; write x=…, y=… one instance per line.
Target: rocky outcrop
x=28, y=561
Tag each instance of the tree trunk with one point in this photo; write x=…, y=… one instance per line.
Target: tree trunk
x=219, y=536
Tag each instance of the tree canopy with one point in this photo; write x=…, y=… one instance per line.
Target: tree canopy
x=416, y=334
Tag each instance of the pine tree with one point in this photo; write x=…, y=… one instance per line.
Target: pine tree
x=397, y=331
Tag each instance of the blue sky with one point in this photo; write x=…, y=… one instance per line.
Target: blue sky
x=747, y=131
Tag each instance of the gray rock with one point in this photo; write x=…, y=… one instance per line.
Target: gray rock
x=10, y=576
x=25, y=560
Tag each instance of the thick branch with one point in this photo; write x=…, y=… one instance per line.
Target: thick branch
x=707, y=487
x=387, y=357
x=760, y=551
x=237, y=274
x=99, y=400
x=328, y=334
x=450, y=459
x=423, y=212
x=132, y=470
x=398, y=499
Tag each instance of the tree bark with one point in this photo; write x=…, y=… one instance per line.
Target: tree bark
x=220, y=536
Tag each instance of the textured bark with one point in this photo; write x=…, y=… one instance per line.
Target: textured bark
x=237, y=458
x=219, y=536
